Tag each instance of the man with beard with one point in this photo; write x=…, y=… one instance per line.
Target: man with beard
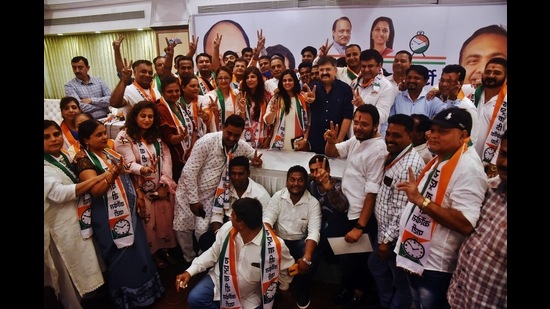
x=413, y=100
x=365, y=154
x=332, y=104
x=203, y=187
x=126, y=95
x=295, y=215
x=393, y=286
x=491, y=97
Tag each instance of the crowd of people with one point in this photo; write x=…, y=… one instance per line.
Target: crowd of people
x=424, y=179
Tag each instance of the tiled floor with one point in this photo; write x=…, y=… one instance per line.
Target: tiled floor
x=324, y=287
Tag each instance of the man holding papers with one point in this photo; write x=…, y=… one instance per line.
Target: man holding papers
x=365, y=154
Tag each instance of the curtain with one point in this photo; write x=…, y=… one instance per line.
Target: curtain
x=98, y=49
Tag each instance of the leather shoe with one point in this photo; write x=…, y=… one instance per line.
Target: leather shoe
x=341, y=297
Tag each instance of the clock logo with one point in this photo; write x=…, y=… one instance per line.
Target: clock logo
x=419, y=43
x=121, y=228
x=270, y=292
x=488, y=154
x=413, y=248
x=86, y=218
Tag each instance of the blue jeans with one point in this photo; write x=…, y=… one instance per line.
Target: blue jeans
x=431, y=288
x=393, y=286
x=297, y=249
x=202, y=295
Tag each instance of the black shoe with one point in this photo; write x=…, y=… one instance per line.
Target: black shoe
x=352, y=302
x=341, y=297
x=302, y=300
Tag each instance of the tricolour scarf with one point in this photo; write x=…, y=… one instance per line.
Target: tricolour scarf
x=69, y=138
x=116, y=201
x=496, y=126
x=230, y=297
x=254, y=131
x=300, y=121
x=221, y=98
x=221, y=198
x=414, y=248
x=181, y=120
x=84, y=205
x=149, y=97
x=205, y=85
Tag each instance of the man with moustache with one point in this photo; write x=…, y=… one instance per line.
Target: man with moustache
x=444, y=204
x=205, y=74
x=126, y=95
x=393, y=286
x=365, y=154
x=491, y=97
x=332, y=104
x=295, y=215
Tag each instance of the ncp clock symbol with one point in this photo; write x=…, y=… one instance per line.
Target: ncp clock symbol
x=86, y=217
x=122, y=227
x=419, y=43
x=413, y=248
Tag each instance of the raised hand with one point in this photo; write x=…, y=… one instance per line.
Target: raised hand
x=323, y=50
x=261, y=40
x=321, y=175
x=411, y=188
x=310, y=93
x=331, y=134
x=127, y=70
x=257, y=160
x=241, y=102
x=217, y=41
x=118, y=42
x=357, y=100
x=193, y=45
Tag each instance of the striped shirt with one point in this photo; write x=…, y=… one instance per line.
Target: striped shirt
x=96, y=89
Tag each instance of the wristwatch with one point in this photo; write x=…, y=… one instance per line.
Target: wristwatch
x=308, y=262
x=425, y=203
x=359, y=226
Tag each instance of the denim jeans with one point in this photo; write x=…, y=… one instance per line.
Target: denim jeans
x=297, y=249
x=393, y=286
x=431, y=288
x=202, y=295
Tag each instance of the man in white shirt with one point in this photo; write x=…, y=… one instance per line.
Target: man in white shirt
x=365, y=154
x=296, y=216
x=125, y=96
x=256, y=275
x=241, y=185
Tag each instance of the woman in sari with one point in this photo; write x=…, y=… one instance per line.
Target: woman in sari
x=132, y=277
x=150, y=166
x=71, y=266
x=252, y=103
x=289, y=113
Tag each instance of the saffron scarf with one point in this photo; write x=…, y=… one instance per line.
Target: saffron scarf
x=181, y=120
x=496, y=126
x=152, y=97
x=254, y=131
x=69, y=138
x=230, y=297
x=414, y=248
x=221, y=119
x=221, y=198
x=116, y=202
x=300, y=121
x=206, y=85
x=84, y=204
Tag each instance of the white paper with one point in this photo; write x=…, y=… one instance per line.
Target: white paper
x=340, y=246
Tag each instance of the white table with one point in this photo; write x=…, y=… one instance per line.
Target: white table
x=276, y=163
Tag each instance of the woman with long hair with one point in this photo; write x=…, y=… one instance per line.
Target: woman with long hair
x=222, y=101
x=289, y=113
x=150, y=166
x=252, y=104
x=70, y=108
x=132, y=277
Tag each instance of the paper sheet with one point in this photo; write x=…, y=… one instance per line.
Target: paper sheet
x=340, y=246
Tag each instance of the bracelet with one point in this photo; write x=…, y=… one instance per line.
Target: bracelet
x=308, y=262
x=359, y=226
